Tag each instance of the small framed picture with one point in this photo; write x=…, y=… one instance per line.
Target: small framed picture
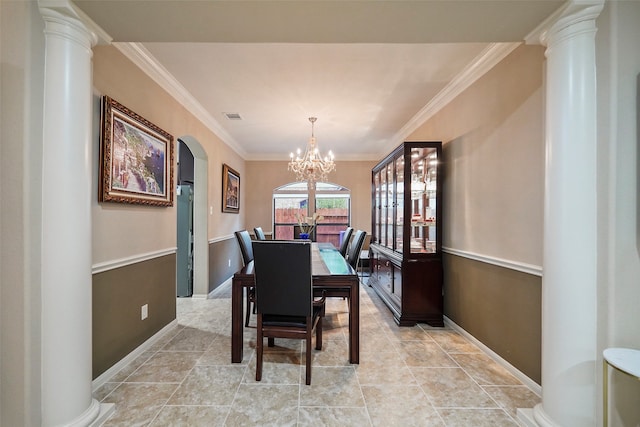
x=230, y=190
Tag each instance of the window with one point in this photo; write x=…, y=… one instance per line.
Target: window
x=331, y=201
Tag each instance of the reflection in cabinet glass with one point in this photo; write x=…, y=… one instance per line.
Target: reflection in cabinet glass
x=399, y=202
x=406, y=259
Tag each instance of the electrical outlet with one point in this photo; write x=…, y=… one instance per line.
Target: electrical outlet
x=229, y=262
x=144, y=311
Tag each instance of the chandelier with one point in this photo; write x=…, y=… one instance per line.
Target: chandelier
x=312, y=167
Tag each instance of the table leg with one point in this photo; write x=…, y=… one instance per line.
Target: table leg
x=236, y=321
x=354, y=322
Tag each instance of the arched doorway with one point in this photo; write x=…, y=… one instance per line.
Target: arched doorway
x=200, y=217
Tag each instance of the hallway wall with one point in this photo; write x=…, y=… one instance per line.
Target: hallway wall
x=118, y=295
x=22, y=85
x=130, y=240
x=493, y=153
x=618, y=79
x=150, y=229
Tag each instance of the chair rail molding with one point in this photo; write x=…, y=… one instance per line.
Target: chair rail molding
x=134, y=259
x=535, y=270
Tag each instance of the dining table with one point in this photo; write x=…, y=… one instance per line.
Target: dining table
x=332, y=276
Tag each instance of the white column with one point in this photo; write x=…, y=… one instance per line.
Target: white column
x=66, y=220
x=569, y=349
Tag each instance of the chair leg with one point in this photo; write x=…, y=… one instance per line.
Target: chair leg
x=259, y=352
x=248, y=313
x=308, y=369
x=319, y=334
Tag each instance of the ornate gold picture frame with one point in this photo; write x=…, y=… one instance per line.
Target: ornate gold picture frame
x=136, y=158
x=230, y=190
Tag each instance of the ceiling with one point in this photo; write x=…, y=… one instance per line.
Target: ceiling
x=367, y=69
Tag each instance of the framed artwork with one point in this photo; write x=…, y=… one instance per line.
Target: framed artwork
x=230, y=190
x=136, y=158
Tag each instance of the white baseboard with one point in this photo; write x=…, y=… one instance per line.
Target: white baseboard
x=199, y=296
x=109, y=373
x=532, y=385
x=213, y=293
x=221, y=288
x=525, y=417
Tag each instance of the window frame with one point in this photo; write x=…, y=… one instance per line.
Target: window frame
x=299, y=189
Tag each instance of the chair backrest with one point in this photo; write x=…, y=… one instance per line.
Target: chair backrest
x=353, y=255
x=283, y=277
x=346, y=237
x=297, y=231
x=259, y=233
x=244, y=240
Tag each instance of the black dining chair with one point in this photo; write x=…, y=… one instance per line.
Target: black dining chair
x=346, y=237
x=259, y=233
x=244, y=240
x=284, y=296
x=353, y=254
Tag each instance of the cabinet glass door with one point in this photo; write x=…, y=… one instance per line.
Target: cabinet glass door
x=376, y=207
x=399, y=202
x=390, y=202
x=424, y=164
x=383, y=207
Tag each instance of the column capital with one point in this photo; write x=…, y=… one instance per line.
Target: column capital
x=64, y=19
x=562, y=23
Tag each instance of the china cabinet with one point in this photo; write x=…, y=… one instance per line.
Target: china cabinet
x=406, y=241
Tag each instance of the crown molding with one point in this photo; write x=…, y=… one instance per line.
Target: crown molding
x=487, y=59
x=142, y=58
x=479, y=66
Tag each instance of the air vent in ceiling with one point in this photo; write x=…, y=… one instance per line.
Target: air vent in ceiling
x=233, y=116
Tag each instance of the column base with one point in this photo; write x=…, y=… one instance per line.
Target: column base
x=535, y=417
x=94, y=416
x=525, y=417
x=106, y=409
x=541, y=418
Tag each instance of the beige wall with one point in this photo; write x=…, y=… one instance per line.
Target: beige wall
x=500, y=307
x=493, y=137
x=493, y=158
x=618, y=61
x=265, y=176
x=117, y=296
x=21, y=105
x=121, y=231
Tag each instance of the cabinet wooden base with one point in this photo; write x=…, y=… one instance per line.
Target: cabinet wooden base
x=394, y=304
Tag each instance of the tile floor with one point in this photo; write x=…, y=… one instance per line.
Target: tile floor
x=418, y=376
